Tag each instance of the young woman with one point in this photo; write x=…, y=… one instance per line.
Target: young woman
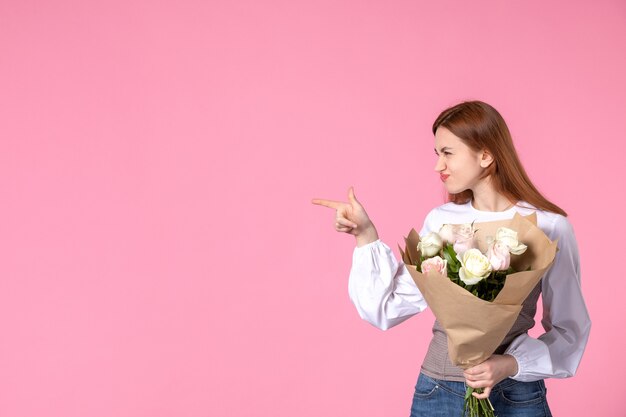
x=485, y=181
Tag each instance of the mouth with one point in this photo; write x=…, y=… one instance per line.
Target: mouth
x=443, y=177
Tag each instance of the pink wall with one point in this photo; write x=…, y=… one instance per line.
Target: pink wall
x=159, y=255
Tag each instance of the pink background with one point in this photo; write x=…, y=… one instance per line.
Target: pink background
x=159, y=254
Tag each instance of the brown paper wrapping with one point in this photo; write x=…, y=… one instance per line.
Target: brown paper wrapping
x=475, y=327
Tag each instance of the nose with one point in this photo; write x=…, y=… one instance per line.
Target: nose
x=440, y=165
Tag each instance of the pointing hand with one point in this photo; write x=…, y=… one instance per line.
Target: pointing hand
x=351, y=218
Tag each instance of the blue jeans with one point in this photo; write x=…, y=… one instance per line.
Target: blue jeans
x=510, y=398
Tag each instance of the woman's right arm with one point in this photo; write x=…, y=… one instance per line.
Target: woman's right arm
x=380, y=287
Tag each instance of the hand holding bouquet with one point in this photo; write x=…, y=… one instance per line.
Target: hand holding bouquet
x=475, y=278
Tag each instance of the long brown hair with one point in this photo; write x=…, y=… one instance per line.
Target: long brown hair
x=481, y=127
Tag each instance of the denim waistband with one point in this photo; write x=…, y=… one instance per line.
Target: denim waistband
x=460, y=387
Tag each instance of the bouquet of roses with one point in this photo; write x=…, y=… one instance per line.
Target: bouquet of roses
x=475, y=277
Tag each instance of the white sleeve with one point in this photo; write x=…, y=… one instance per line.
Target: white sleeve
x=381, y=288
x=557, y=353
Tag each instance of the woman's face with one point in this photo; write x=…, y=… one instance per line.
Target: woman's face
x=458, y=165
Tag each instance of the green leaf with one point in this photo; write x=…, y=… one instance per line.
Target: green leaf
x=447, y=257
x=468, y=393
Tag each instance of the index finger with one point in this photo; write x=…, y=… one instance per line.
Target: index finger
x=327, y=203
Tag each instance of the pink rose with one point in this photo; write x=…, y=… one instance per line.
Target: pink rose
x=436, y=264
x=499, y=256
x=465, y=231
x=460, y=235
x=462, y=245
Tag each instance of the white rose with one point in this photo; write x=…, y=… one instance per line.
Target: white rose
x=509, y=238
x=430, y=245
x=435, y=264
x=447, y=233
x=474, y=267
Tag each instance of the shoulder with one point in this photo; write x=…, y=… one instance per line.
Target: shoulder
x=562, y=232
x=557, y=225
x=562, y=228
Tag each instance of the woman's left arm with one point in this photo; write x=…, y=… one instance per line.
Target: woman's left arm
x=556, y=353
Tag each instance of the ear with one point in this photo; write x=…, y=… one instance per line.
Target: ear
x=485, y=159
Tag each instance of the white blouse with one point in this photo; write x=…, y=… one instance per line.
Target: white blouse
x=385, y=294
